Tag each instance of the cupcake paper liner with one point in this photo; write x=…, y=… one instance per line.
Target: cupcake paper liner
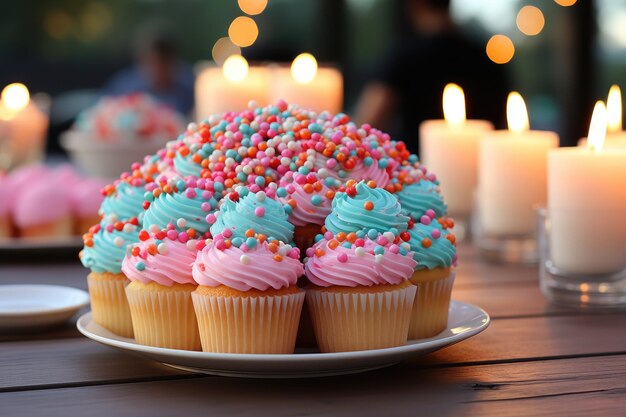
x=263, y=324
x=430, y=310
x=109, y=306
x=345, y=321
x=163, y=316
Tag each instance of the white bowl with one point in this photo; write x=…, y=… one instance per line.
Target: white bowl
x=107, y=159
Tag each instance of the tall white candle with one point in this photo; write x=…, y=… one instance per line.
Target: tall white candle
x=512, y=167
x=587, y=204
x=231, y=87
x=449, y=148
x=308, y=86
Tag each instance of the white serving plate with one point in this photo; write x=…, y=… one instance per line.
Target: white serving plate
x=35, y=306
x=466, y=320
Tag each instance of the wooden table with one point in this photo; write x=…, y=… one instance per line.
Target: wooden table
x=535, y=359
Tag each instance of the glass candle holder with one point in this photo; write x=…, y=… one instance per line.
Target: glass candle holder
x=582, y=263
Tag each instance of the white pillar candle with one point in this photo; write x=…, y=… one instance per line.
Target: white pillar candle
x=512, y=167
x=449, y=148
x=587, y=204
x=231, y=87
x=308, y=86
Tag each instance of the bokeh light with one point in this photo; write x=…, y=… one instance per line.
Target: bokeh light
x=500, y=49
x=58, y=24
x=565, y=3
x=252, y=7
x=235, y=68
x=243, y=31
x=304, y=68
x=530, y=20
x=224, y=48
x=15, y=97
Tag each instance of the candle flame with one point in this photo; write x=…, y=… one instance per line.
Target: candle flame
x=304, y=68
x=15, y=97
x=454, y=104
x=516, y=113
x=235, y=68
x=597, y=127
x=614, y=109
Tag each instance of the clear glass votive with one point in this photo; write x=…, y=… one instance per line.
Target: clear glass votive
x=582, y=264
x=505, y=234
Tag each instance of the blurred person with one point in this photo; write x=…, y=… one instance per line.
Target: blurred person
x=408, y=84
x=158, y=71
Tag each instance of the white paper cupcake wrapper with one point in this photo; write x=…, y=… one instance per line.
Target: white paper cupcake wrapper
x=430, y=310
x=163, y=318
x=360, y=321
x=109, y=306
x=264, y=324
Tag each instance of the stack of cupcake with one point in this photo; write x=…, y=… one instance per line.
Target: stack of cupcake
x=225, y=212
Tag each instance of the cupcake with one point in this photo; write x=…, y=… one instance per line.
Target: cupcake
x=86, y=197
x=360, y=297
x=420, y=191
x=105, y=247
x=159, y=293
x=247, y=300
x=308, y=200
x=42, y=210
x=243, y=210
x=434, y=249
x=179, y=200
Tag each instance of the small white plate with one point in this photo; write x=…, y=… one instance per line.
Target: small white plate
x=465, y=320
x=29, y=306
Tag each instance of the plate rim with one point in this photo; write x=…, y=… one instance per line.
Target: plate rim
x=420, y=344
x=46, y=311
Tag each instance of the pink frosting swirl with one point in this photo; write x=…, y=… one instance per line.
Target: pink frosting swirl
x=241, y=270
x=357, y=266
x=311, y=207
x=86, y=197
x=40, y=203
x=170, y=264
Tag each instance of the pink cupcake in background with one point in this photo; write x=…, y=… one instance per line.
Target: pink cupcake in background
x=43, y=210
x=5, y=208
x=159, y=294
x=86, y=197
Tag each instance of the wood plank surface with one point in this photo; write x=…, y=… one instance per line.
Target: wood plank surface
x=566, y=387
x=70, y=361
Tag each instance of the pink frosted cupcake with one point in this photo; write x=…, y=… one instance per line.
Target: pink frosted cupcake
x=86, y=197
x=159, y=294
x=42, y=210
x=360, y=297
x=247, y=300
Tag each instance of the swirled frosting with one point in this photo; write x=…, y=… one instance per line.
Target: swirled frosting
x=366, y=262
x=307, y=198
x=420, y=196
x=125, y=202
x=365, y=208
x=253, y=211
x=432, y=243
x=105, y=245
x=165, y=262
x=258, y=266
x=185, y=204
x=185, y=166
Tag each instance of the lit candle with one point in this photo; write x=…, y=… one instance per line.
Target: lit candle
x=587, y=204
x=231, y=87
x=615, y=136
x=23, y=126
x=512, y=167
x=449, y=148
x=309, y=86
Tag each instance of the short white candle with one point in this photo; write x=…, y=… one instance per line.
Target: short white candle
x=512, y=167
x=615, y=136
x=449, y=148
x=308, y=86
x=587, y=204
x=231, y=87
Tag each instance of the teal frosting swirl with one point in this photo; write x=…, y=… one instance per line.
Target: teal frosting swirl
x=441, y=254
x=185, y=166
x=418, y=197
x=350, y=215
x=126, y=202
x=240, y=216
x=105, y=255
x=169, y=207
